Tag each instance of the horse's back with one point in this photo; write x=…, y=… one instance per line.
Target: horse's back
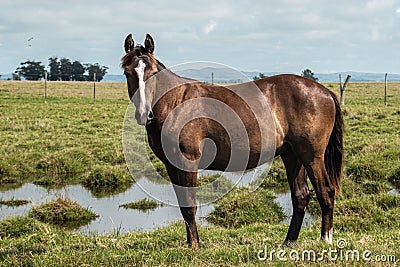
x=304, y=110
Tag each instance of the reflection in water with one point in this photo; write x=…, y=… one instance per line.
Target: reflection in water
x=285, y=201
x=112, y=217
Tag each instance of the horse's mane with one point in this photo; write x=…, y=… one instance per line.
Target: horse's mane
x=127, y=59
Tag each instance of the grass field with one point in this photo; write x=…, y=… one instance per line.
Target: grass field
x=70, y=140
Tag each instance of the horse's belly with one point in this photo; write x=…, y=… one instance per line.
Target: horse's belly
x=233, y=163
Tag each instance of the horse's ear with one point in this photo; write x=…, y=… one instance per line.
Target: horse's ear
x=149, y=44
x=129, y=43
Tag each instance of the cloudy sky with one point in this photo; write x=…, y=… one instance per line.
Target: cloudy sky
x=274, y=35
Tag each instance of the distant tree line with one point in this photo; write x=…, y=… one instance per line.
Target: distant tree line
x=307, y=73
x=62, y=69
x=30, y=70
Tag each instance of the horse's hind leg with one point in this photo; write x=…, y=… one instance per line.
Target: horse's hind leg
x=299, y=192
x=325, y=192
x=184, y=184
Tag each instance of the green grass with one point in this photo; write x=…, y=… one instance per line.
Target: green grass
x=143, y=205
x=62, y=212
x=70, y=140
x=105, y=180
x=212, y=187
x=37, y=244
x=15, y=227
x=14, y=202
x=62, y=141
x=275, y=179
x=240, y=207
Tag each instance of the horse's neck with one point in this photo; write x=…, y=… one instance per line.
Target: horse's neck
x=165, y=81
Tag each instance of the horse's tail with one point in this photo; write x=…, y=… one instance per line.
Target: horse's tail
x=334, y=151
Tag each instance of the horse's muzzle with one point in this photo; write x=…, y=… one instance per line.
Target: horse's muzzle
x=143, y=119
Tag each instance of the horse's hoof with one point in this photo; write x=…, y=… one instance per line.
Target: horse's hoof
x=289, y=243
x=194, y=245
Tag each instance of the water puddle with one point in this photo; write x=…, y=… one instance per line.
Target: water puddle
x=112, y=218
x=285, y=201
x=394, y=192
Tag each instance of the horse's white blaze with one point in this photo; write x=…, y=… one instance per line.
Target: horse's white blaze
x=142, y=86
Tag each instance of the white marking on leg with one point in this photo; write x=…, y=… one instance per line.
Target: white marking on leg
x=328, y=237
x=142, y=86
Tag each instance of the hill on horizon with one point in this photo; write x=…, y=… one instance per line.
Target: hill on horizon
x=231, y=76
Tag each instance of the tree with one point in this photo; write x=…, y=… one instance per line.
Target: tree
x=66, y=69
x=260, y=76
x=307, y=73
x=16, y=77
x=78, y=71
x=31, y=70
x=54, y=69
x=96, y=68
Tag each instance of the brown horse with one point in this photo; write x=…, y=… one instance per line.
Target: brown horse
x=301, y=116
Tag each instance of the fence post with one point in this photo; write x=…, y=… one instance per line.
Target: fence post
x=343, y=88
x=45, y=86
x=386, y=81
x=212, y=78
x=94, y=88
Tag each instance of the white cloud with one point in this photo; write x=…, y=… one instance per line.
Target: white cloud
x=209, y=27
x=398, y=10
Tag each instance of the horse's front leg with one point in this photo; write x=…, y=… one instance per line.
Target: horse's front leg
x=184, y=184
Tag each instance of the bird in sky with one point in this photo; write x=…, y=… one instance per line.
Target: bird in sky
x=30, y=39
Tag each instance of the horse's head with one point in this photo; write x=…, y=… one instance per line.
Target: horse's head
x=139, y=65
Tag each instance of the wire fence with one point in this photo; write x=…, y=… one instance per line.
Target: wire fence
x=92, y=91
x=48, y=90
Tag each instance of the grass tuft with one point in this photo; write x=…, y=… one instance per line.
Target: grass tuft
x=212, y=187
x=14, y=202
x=241, y=207
x=62, y=212
x=275, y=179
x=106, y=180
x=143, y=205
x=61, y=168
x=15, y=227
